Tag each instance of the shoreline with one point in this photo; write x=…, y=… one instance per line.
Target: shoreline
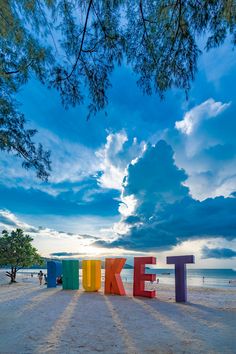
x=149, y=285
x=212, y=283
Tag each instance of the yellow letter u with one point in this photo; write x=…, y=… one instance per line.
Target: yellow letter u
x=91, y=275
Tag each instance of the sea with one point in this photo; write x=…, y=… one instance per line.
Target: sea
x=209, y=278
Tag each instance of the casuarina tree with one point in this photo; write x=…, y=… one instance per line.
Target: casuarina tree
x=16, y=252
x=74, y=46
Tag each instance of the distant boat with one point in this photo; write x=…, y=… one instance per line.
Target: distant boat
x=165, y=273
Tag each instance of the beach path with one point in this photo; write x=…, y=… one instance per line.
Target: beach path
x=35, y=319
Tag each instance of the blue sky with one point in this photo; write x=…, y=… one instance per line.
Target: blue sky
x=151, y=176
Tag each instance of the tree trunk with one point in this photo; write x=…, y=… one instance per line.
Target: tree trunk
x=13, y=274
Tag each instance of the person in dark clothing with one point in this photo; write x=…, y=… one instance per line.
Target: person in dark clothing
x=40, y=276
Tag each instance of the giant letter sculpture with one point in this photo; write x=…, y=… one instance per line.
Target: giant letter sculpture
x=70, y=271
x=180, y=275
x=91, y=275
x=140, y=276
x=54, y=270
x=113, y=282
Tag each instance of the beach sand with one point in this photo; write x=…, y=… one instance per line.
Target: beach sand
x=35, y=319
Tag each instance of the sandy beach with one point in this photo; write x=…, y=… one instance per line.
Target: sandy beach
x=35, y=319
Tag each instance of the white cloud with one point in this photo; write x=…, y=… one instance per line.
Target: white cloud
x=204, y=145
x=208, y=109
x=128, y=205
x=49, y=240
x=71, y=162
x=116, y=154
x=8, y=221
x=195, y=247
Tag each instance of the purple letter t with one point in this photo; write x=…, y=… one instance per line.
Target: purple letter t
x=180, y=275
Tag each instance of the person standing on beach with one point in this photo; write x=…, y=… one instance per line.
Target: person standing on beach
x=40, y=276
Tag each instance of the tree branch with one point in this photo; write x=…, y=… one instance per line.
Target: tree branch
x=143, y=19
x=102, y=27
x=145, y=28
x=178, y=25
x=18, y=70
x=48, y=25
x=82, y=41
